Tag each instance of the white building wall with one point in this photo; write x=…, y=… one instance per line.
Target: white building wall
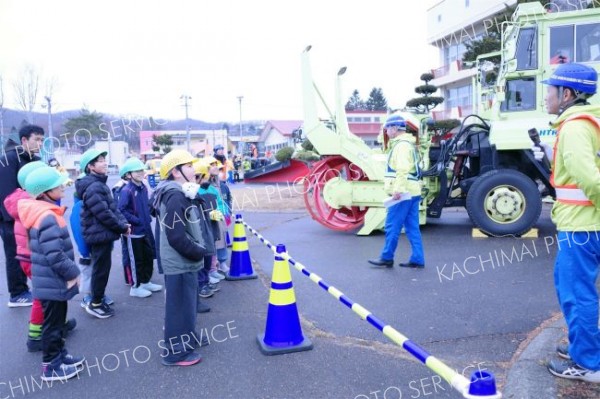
x=118, y=151
x=452, y=23
x=276, y=140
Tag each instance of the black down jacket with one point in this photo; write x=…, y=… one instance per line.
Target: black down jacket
x=101, y=221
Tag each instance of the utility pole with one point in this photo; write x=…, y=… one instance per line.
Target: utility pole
x=185, y=99
x=49, y=101
x=241, y=146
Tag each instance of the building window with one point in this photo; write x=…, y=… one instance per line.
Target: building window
x=454, y=52
x=467, y=3
x=439, y=17
x=458, y=97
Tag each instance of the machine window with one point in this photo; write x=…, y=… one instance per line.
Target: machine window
x=561, y=44
x=527, y=49
x=520, y=95
x=588, y=42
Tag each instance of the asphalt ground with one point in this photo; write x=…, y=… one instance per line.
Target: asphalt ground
x=474, y=307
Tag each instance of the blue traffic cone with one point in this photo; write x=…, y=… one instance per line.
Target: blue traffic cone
x=240, y=267
x=483, y=385
x=283, y=333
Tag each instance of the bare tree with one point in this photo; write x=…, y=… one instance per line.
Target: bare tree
x=26, y=90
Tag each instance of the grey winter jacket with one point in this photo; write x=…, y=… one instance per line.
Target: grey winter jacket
x=180, y=243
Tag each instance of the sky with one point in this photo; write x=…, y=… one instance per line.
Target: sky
x=127, y=57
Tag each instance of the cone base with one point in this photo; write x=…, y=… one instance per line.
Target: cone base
x=268, y=350
x=242, y=277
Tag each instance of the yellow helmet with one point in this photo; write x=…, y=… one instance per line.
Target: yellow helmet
x=201, y=168
x=173, y=159
x=208, y=160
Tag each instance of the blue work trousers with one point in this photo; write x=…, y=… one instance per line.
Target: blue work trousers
x=575, y=274
x=403, y=214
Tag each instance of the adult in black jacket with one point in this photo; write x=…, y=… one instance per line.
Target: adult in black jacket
x=12, y=160
x=101, y=223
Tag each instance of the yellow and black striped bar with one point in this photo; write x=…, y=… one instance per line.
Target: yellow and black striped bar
x=482, y=384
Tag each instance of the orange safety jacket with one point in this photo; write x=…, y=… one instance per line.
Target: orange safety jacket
x=570, y=193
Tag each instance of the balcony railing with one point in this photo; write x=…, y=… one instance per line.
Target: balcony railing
x=445, y=70
x=441, y=115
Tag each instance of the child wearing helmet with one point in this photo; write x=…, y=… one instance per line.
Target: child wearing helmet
x=214, y=186
x=576, y=213
x=207, y=203
x=133, y=204
x=181, y=249
x=102, y=224
x=125, y=258
x=34, y=343
x=402, y=182
x=55, y=276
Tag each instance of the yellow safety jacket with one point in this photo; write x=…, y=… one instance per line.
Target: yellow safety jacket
x=403, y=173
x=576, y=170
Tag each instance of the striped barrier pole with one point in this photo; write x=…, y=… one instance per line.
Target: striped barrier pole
x=482, y=384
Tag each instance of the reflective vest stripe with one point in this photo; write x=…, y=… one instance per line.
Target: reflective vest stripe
x=573, y=196
x=416, y=175
x=570, y=193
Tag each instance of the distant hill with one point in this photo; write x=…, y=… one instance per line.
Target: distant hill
x=14, y=119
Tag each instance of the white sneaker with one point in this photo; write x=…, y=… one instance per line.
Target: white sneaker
x=150, y=286
x=213, y=280
x=223, y=267
x=214, y=274
x=139, y=292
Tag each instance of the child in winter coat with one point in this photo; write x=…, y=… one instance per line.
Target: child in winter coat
x=34, y=338
x=55, y=276
x=102, y=224
x=207, y=203
x=212, y=186
x=133, y=204
x=181, y=249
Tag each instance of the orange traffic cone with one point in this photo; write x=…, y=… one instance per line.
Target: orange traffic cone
x=283, y=333
x=240, y=267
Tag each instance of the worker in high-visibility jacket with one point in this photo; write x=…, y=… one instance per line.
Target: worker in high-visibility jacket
x=402, y=182
x=576, y=213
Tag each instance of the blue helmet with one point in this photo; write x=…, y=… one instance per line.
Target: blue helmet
x=218, y=147
x=395, y=120
x=578, y=77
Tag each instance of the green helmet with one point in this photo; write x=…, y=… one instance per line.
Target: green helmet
x=44, y=179
x=26, y=170
x=131, y=165
x=89, y=156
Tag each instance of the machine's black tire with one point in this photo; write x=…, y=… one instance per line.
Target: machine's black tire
x=505, y=182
